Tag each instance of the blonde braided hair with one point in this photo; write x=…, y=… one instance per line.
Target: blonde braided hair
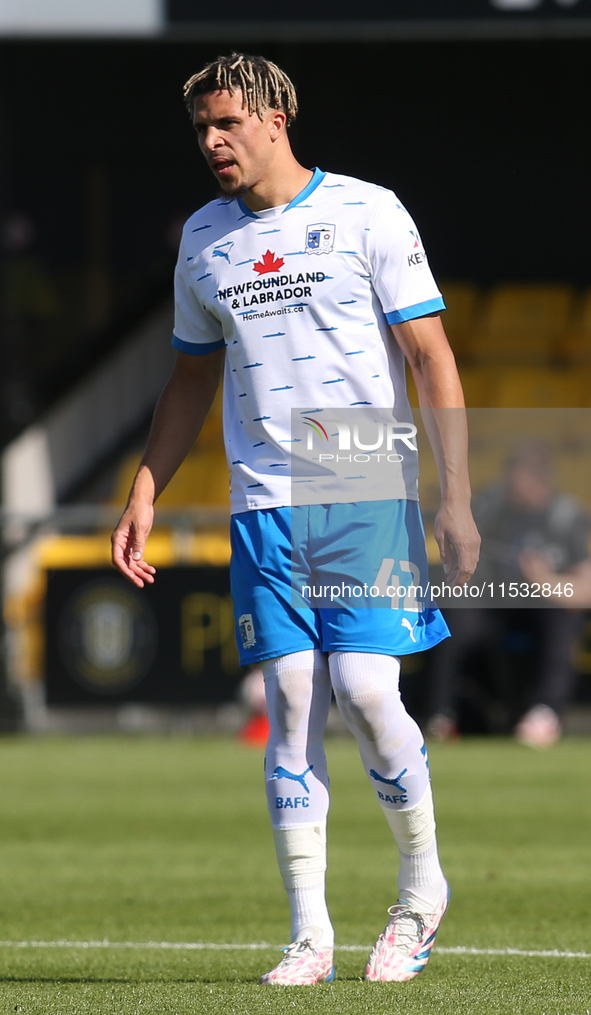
x=263, y=85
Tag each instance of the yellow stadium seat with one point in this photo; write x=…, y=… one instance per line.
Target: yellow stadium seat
x=521, y=324
x=201, y=480
x=575, y=346
x=461, y=300
x=411, y=388
x=536, y=387
x=478, y=383
x=584, y=374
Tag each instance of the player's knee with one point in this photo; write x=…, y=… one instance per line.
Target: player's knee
x=364, y=714
x=288, y=700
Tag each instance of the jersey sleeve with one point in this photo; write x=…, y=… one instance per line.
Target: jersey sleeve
x=401, y=276
x=196, y=331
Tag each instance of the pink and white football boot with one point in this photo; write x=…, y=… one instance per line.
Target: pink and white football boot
x=403, y=948
x=302, y=964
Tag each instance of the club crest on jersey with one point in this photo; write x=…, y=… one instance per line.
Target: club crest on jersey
x=320, y=238
x=247, y=630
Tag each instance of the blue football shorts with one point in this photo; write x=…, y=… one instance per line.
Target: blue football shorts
x=336, y=577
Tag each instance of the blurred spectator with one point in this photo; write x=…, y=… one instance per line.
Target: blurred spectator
x=530, y=533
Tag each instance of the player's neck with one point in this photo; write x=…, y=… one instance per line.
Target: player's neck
x=284, y=182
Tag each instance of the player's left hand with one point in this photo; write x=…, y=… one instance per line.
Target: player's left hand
x=458, y=540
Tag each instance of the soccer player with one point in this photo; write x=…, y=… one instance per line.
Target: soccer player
x=312, y=288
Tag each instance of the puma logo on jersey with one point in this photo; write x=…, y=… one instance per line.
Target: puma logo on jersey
x=282, y=773
x=223, y=250
x=405, y=622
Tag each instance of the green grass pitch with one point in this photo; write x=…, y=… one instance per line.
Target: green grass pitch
x=122, y=840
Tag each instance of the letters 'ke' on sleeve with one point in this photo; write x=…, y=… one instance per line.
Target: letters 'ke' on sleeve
x=401, y=275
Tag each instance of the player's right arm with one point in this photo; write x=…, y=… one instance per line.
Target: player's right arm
x=178, y=419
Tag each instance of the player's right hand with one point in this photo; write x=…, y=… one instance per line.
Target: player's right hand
x=128, y=543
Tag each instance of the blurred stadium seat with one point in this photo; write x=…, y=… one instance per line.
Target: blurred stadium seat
x=479, y=384
x=203, y=478
x=574, y=347
x=521, y=324
x=461, y=300
x=585, y=378
x=539, y=387
x=520, y=346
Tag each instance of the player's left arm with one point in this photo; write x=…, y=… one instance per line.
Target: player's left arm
x=441, y=399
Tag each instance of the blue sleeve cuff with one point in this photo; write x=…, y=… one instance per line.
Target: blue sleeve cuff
x=197, y=348
x=418, y=310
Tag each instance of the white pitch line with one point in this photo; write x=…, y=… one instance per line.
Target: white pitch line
x=550, y=954
x=264, y=946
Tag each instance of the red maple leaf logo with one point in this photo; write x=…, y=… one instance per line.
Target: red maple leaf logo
x=268, y=263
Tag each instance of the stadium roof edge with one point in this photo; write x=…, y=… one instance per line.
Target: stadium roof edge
x=369, y=30
x=382, y=30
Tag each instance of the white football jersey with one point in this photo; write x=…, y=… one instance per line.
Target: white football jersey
x=302, y=297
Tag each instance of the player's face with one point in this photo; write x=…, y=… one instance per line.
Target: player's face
x=238, y=147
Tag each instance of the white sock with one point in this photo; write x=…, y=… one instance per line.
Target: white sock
x=301, y=855
x=421, y=881
x=308, y=909
x=298, y=697
x=394, y=755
